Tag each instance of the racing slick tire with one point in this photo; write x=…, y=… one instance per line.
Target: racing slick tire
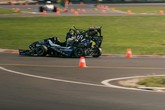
x=78, y=52
x=54, y=9
x=41, y=9
x=41, y=50
x=96, y=52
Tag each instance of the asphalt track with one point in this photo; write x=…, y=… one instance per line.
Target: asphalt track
x=90, y=10
x=48, y=83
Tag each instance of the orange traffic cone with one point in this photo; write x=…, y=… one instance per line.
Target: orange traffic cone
x=129, y=53
x=81, y=3
x=37, y=4
x=76, y=13
x=58, y=13
x=106, y=8
x=103, y=11
x=65, y=10
x=98, y=6
x=26, y=3
x=161, y=12
x=11, y=2
x=102, y=6
x=72, y=10
x=17, y=9
x=44, y=12
x=129, y=12
x=82, y=62
x=83, y=10
x=20, y=3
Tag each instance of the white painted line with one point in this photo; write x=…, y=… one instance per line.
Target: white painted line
x=108, y=82
x=52, y=79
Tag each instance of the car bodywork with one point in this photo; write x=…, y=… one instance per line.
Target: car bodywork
x=78, y=43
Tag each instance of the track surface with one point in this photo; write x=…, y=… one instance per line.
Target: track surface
x=47, y=83
x=90, y=10
x=59, y=84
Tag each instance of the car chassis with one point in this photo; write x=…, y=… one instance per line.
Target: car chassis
x=83, y=43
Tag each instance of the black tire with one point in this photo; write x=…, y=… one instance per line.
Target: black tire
x=41, y=50
x=41, y=9
x=78, y=52
x=96, y=52
x=55, y=9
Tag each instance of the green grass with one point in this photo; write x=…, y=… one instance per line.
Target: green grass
x=143, y=34
x=142, y=9
x=153, y=82
x=9, y=11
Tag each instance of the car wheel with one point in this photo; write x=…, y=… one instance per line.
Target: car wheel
x=54, y=9
x=96, y=52
x=41, y=50
x=41, y=9
x=79, y=52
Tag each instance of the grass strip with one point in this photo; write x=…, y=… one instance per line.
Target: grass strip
x=142, y=10
x=9, y=11
x=143, y=34
x=153, y=82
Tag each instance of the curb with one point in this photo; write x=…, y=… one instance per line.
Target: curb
x=13, y=51
x=9, y=51
x=158, y=89
x=132, y=82
x=134, y=56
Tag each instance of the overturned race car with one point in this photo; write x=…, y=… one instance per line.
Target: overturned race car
x=78, y=43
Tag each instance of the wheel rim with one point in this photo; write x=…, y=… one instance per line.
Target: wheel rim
x=96, y=52
x=79, y=52
x=41, y=51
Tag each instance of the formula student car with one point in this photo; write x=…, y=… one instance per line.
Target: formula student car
x=78, y=43
x=48, y=7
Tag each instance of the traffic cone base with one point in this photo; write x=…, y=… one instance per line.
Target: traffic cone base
x=58, y=13
x=26, y=3
x=76, y=13
x=72, y=10
x=129, y=53
x=83, y=10
x=103, y=11
x=37, y=4
x=82, y=62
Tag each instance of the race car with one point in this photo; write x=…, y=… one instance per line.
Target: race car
x=48, y=7
x=78, y=43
